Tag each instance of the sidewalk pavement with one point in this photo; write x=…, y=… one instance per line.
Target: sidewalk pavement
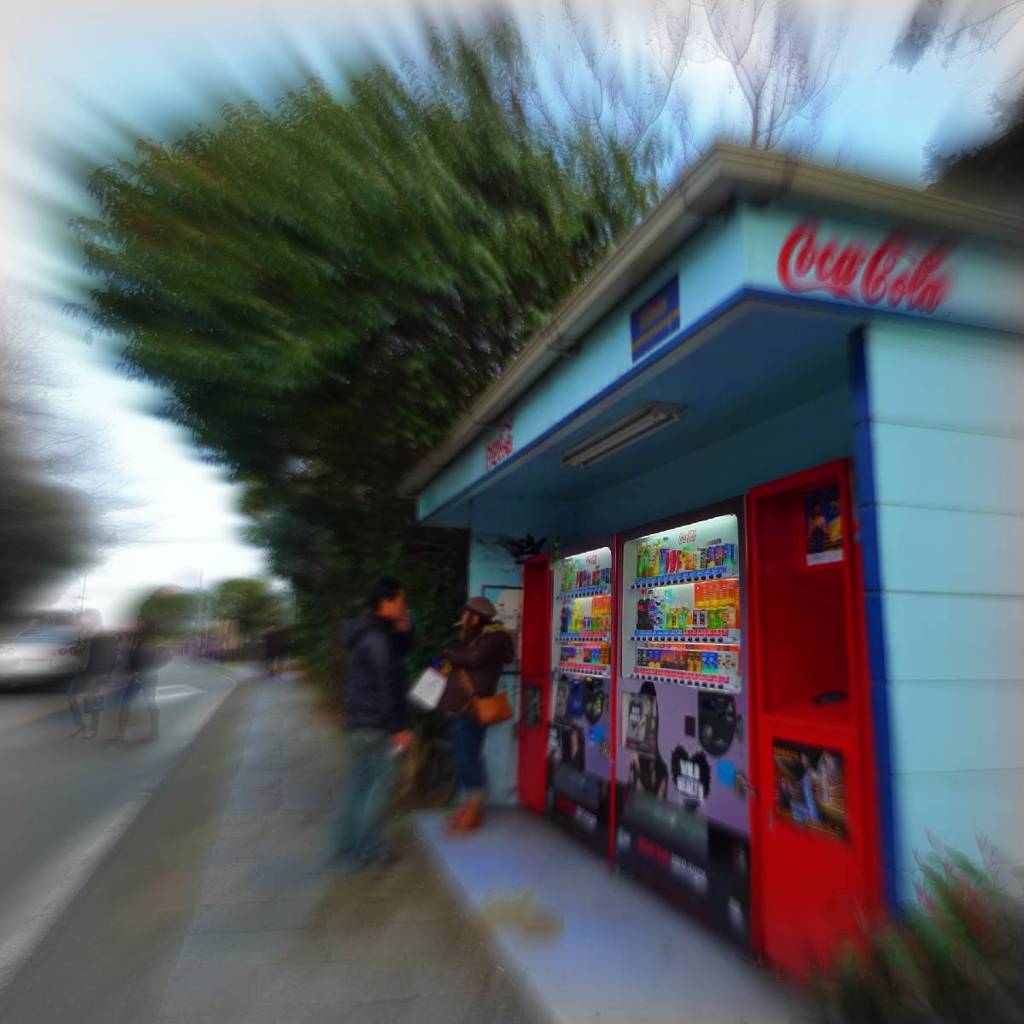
x=607, y=950
x=442, y=937
x=279, y=935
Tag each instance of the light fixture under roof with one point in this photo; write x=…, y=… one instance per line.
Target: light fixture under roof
x=639, y=424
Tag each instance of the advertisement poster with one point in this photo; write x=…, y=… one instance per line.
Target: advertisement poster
x=580, y=712
x=509, y=602
x=824, y=526
x=560, y=714
x=532, y=706
x=809, y=788
x=500, y=447
x=685, y=747
x=639, y=725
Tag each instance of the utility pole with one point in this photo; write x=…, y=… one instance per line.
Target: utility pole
x=201, y=616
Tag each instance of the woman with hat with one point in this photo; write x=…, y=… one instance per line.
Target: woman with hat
x=483, y=649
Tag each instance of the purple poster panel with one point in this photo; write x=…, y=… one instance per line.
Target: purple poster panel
x=688, y=747
x=581, y=725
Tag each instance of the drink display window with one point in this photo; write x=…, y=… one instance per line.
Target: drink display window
x=681, y=606
x=580, y=752
x=682, y=765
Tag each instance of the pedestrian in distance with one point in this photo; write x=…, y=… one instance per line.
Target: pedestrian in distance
x=483, y=649
x=375, y=713
x=144, y=658
x=85, y=694
x=276, y=643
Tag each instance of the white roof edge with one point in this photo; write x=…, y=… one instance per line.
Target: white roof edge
x=725, y=173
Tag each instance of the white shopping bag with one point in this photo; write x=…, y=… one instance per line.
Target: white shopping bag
x=429, y=689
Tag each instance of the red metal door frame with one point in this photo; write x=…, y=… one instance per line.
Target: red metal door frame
x=613, y=693
x=535, y=670
x=859, y=678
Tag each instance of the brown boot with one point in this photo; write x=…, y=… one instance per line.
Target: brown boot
x=470, y=818
x=454, y=820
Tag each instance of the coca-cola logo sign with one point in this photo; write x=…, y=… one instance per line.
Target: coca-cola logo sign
x=894, y=272
x=500, y=447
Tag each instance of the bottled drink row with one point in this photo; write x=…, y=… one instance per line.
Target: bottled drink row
x=713, y=604
x=586, y=654
x=682, y=659
x=587, y=615
x=575, y=577
x=662, y=557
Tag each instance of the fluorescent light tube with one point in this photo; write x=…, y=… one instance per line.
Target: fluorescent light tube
x=639, y=424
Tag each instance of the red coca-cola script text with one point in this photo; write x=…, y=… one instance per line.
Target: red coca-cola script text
x=500, y=448
x=893, y=272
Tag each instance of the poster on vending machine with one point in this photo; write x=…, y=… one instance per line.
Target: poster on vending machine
x=560, y=713
x=639, y=726
x=809, y=787
x=509, y=604
x=824, y=526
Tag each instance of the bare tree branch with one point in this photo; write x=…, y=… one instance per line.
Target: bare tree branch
x=957, y=30
x=622, y=102
x=786, y=75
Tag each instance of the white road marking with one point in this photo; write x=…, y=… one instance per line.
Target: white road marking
x=47, y=894
x=52, y=887
x=175, y=692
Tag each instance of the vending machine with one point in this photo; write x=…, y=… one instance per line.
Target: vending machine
x=580, y=736
x=682, y=766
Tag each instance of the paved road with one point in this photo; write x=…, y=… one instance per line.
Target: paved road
x=64, y=800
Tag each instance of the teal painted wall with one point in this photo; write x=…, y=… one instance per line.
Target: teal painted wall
x=809, y=434
x=947, y=423
x=490, y=564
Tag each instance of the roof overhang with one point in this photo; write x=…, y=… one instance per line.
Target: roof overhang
x=725, y=176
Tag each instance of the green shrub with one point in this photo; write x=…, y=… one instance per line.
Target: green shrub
x=955, y=957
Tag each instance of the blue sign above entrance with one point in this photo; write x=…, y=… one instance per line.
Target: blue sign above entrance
x=656, y=320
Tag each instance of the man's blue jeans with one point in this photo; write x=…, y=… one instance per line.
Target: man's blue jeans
x=372, y=770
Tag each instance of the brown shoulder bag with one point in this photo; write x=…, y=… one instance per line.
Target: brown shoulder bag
x=486, y=710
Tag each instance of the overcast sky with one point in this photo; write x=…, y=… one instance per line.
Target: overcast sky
x=68, y=66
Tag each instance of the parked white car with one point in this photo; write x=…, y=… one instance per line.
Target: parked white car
x=42, y=653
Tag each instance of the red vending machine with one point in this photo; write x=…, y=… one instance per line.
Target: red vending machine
x=683, y=820
x=580, y=753
x=815, y=839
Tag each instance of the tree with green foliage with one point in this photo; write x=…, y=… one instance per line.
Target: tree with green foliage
x=991, y=172
x=251, y=604
x=321, y=289
x=170, y=613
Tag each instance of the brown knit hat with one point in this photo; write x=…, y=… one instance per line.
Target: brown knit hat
x=482, y=607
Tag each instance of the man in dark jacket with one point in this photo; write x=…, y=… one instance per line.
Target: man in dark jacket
x=375, y=712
